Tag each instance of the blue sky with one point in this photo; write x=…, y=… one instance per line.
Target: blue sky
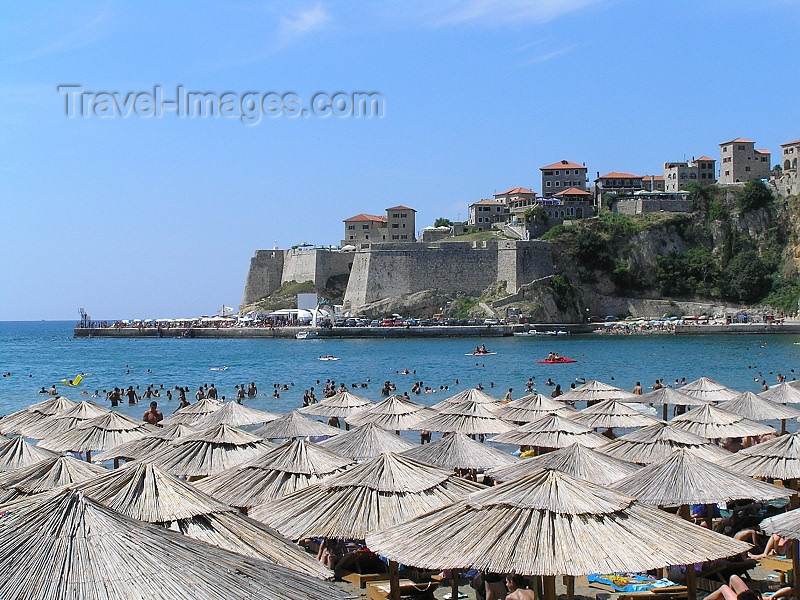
x=156, y=217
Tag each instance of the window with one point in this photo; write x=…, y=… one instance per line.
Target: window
x=403, y=215
x=351, y=227
x=747, y=168
x=404, y=225
x=558, y=172
x=395, y=226
x=395, y=237
x=396, y=216
x=727, y=173
x=365, y=227
x=403, y=237
x=352, y=237
x=740, y=147
x=548, y=184
x=548, y=173
x=557, y=183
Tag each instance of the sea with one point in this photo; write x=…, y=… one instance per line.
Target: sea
x=36, y=354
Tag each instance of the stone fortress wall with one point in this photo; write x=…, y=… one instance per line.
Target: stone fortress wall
x=394, y=269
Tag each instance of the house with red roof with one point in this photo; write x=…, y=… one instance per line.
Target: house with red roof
x=789, y=154
x=680, y=173
x=740, y=162
x=397, y=226
x=562, y=175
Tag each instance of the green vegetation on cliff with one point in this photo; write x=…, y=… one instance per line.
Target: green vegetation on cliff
x=735, y=247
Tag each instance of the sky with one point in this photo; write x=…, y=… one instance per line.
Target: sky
x=106, y=205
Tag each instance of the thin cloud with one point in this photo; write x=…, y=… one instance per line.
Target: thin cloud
x=545, y=56
x=505, y=11
x=305, y=22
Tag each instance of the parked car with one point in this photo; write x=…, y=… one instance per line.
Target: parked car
x=339, y=322
x=374, y=323
x=491, y=321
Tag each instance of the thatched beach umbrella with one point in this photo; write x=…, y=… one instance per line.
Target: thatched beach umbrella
x=64, y=421
x=294, y=425
x=208, y=452
x=293, y=465
x=656, y=442
x=532, y=407
x=712, y=422
x=16, y=453
x=594, y=391
x=668, y=395
x=458, y=451
x=756, y=408
x=235, y=415
x=145, y=492
x=575, y=460
x=612, y=413
x=340, y=405
x=550, y=523
x=783, y=393
x=32, y=415
x=382, y=492
x=152, y=443
x=709, y=390
x=551, y=431
x=469, y=395
x=45, y=475
x=787, y=525
x=467, y=417
x=99, y=553
x=367, y=441
x=98, y=434
x=189, y=415
x=395, y=413
x=773, y=459
x=683, y=478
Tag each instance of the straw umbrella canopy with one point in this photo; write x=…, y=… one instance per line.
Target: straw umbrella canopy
x=469, y=395
x=656, y=442
x=594, y=391
x=394, y=413
x=551, y=431
x=45, y=475
x=210, y=451
x=683, y=478
x=785, y=525
x=783, y=393
x=145, y=492
x=340, y=405
x=16, y=453
x=235, y=415
x=458, y=451
x=152, y=443
x=612, y=413
x=382, y=492
x=575, y=460
x=367, y=441
x=14, y=422
x=550, y=523
x=294, y=425
x=467, y=417
x=99, y=553
x=713, y=422
x=532, y=407
x=757, y=408
x=189, y=415
x=98, y=434
x=63, y=421
x=773, y=459
x=668, y=395
x=293, y=465
x=709, y=390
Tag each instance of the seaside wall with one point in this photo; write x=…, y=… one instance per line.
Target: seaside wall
x=390, y=270
x=264, y=275
x=316, y=264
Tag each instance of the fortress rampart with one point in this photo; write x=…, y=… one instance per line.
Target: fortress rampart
x=389, y=270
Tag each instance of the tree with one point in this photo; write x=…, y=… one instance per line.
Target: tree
x=755, y=195
x=745, y=278
x=442, y=222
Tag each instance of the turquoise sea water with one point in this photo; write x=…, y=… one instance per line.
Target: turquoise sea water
x=42, y=353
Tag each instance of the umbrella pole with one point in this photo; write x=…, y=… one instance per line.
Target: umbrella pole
x=88, y=456
x=454, y=584
x=394, y=581
x=664, y=414
x=569, y=581
x=783, y=426
x=116, y=463
x=795, y=569
x=549, y=584
x=691, y=575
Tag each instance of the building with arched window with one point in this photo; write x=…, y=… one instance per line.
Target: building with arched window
x=789, y=154
x=741, y=162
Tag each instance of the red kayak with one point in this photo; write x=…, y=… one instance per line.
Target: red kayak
x=556, y=361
